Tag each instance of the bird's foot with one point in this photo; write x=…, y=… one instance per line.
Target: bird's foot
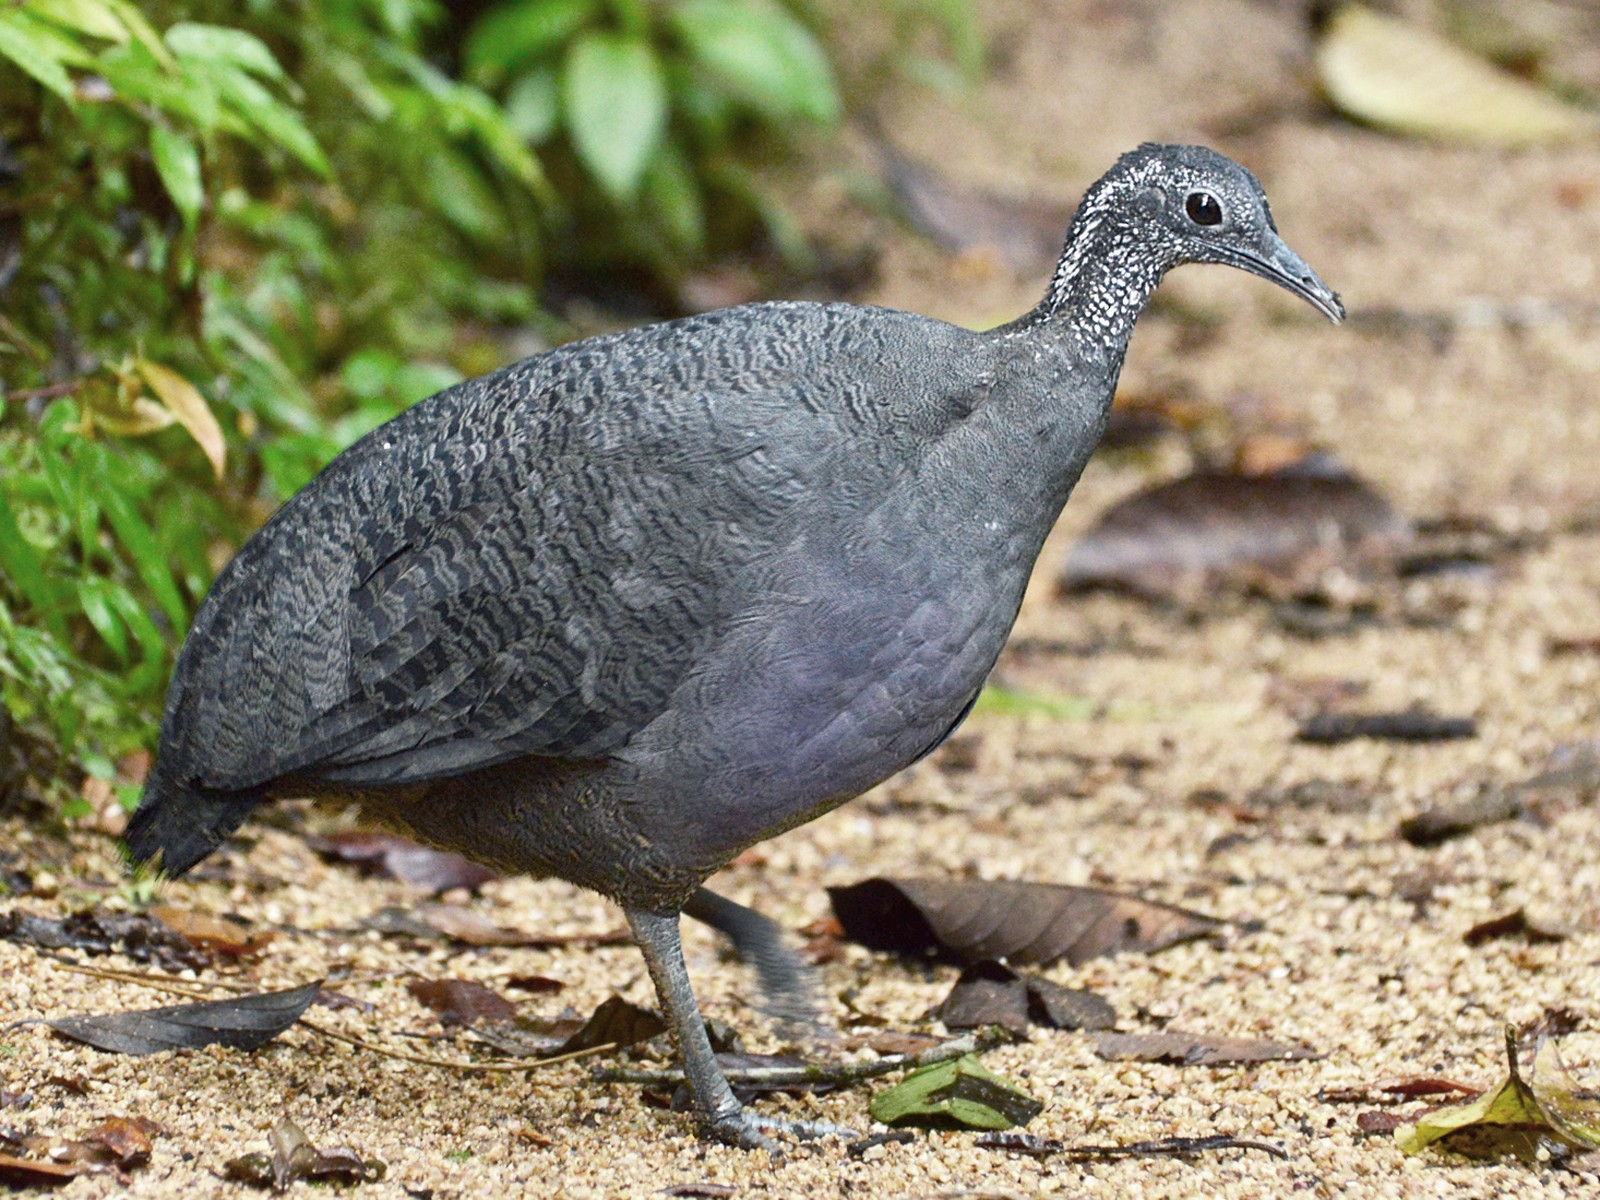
x=749, y=1130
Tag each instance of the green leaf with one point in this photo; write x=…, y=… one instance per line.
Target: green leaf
x=511, y=36
x=135, y=74
x=217, y=43
x=616, y=108
x=97, y=606
x=24, y=570
x=34, y=54
x=1516, y=1117
x=456, y=188
x=533, y=106
x=143, y=32
x=672, y=196
x=144, y=552
x=177, y=161
x=960, y=1092
x=279, y=124
x=997, y=700
x=93, y=17
x=762, y=55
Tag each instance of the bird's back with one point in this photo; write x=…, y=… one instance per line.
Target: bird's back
x=531, y=563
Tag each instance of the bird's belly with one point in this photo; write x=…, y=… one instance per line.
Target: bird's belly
x=817, y=701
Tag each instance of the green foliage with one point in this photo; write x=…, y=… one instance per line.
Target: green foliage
x=248, y=232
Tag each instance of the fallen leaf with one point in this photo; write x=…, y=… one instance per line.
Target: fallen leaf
x=537, y=985
x=241, y=1022
x=1518, y=1117
x=987, y=994
x=990, y=993
x=390, y=856
x=1196, y=1049
x=616, y=1022
x=1488, y=805
x=1398, y=76
x=1409, y=725
x=36, y=1172
x=1512, y=924
x=1279, y=533
x=217, y=936
x=294, y=1158
x=1021, y=922
x=125, y=1140
x=462, y=1001
x=139, y=936
x=1059, y=1007
x=961, y=1092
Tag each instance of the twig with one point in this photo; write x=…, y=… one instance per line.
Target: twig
x=1174, y=1147
x=813, y=1074
x=497, y=1065
x=50, y=392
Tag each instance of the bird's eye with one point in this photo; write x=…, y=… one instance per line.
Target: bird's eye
x=1203, y=208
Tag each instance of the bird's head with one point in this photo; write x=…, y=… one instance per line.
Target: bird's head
x=1201, y=206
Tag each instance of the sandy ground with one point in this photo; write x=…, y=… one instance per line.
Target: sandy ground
x=1487, y=420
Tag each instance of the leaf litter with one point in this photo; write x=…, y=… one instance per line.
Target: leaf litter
x=1545, y=1110
x=295, y=1158
x=960, y=1093
x=390, y=856
x=244, y=1022
x=1277, y=532
x=1015, y=920
x=991, y=993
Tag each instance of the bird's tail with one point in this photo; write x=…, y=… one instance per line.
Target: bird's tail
x=182, y=824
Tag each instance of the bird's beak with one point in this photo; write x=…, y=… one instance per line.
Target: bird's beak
x=1282, y=266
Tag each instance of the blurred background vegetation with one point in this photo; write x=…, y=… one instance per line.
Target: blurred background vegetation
x=234, y=237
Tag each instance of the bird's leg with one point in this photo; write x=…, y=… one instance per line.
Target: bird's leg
x=788, y=985
x=724, y=1116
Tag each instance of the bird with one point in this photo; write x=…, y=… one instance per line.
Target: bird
x=618, y=611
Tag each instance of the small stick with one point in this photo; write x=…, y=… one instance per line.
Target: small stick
x=837, y=1074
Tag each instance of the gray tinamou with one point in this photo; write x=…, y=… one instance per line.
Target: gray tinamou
x=617, y=611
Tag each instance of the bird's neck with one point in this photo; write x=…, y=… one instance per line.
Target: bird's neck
x=1101, y=284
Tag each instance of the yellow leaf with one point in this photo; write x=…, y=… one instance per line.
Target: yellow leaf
x=186, y=403
x=1515, y=1117
x=1398, y=76
x=142, y=415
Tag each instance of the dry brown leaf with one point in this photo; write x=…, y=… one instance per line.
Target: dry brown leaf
x=216, y=935
x=1516, y=923
x=1195, y=1049
x=37, y=1172
x=1013, y=920
x=184, y=401
x=1279, y=532
x=390, y=856
x=1398, y=76
x=462, y=1001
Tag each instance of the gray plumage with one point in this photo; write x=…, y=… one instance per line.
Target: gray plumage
x=615, y=612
